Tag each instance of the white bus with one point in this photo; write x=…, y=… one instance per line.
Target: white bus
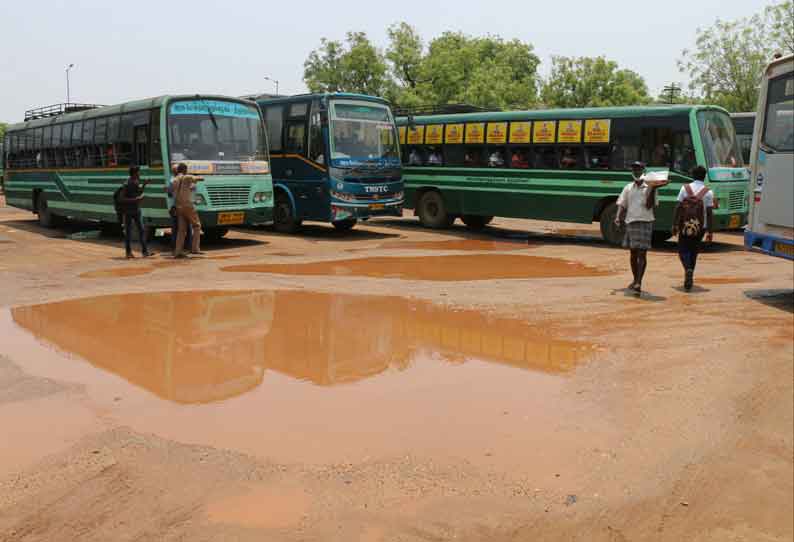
x=771, y=222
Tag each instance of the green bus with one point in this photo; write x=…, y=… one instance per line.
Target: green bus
x=66, y=161
x=566, y=165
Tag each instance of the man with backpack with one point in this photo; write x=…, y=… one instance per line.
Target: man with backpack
x=129, y=203
x=692, y=220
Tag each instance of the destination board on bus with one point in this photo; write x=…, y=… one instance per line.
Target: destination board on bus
x=570, y=131
x=454, y=134
x=402, y=135
x=434, y=134
x=416, y=135
x=475, y=132
x=543, y=131
x=520, y=132
x=596, y=131
x=497, y=132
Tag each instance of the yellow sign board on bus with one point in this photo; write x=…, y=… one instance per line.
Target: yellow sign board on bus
x=520, y=132
x=416, y=135
x=454, y=133
x=570, y=131
x=434, y=134
x=475, y=132
x=596, y=131
x=402, y=135
x=543, y=131
x=497, y=132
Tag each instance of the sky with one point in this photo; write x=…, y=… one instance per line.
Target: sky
x=145, y=48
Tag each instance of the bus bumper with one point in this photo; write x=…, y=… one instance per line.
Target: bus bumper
x=769, y=244
x=236, y=217
x=345, y=211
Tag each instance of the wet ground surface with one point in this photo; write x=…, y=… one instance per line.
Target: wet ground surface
x=490, y=389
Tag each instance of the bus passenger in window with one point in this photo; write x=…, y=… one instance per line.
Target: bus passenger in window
x=435, y=158
x=567, y=159
x=414, y=158
x=496, y=159
x=519, y=159
x=470, y=159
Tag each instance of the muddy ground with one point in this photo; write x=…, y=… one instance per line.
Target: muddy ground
x=392, y=384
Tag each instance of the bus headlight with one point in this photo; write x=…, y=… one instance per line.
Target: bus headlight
x=342, y=196
x=198, y=199
x=261, y=197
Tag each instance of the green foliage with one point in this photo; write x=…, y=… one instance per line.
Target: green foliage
x=3, y=126
x=727, y=61
x=592, y=82
x=356, y=66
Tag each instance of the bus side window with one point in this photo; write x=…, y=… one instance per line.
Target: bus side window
x=48, y=157
x=124, y=142
x=316, y=146
x=571, y=157
x=155, y=149
x=274, y=119
x=87, y=156
x=519, y=157
x=545, y=157
x=683, y=153
x=141, y=144
x=296, y=137
x=100, y=138
x=473, y=156
x=453, y=155
x=657, y=145
x=597, y=157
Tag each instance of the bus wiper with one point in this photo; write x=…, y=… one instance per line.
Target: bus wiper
x=209, y=110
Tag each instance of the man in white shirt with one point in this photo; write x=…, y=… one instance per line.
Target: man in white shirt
x=690, y=229
x=635, y=213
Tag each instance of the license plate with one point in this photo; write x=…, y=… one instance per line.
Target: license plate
x=735, y=222
x=784, y=248
x=228, y=219
x=376, y=206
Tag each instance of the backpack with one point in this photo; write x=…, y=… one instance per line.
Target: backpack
x=690, y=216
x=117, y=199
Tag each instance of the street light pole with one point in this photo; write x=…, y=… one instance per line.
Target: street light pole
x=274, y=80
x=68, y=95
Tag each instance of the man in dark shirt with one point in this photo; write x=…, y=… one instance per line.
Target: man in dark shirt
x=130, y=204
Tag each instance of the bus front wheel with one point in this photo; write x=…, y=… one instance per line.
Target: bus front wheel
x=432, y=211
x=611, y=232
x=284, y=219
x=476, y=222
x=344, y=225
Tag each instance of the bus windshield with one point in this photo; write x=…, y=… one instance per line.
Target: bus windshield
x=719, y=140
x=362, y=132
x=215, y=130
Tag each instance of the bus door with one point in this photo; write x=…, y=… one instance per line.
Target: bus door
x=305, y=177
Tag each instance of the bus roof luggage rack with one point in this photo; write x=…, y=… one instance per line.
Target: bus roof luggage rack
x=56, y=110
x=440, y=109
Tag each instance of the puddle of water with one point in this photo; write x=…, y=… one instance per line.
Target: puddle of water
x=303, y=376
x=457, y=244
x=437, y=268
x=263, y=508
x=726, y=280
x=116, y=273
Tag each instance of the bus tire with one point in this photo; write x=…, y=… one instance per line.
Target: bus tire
x=215, y=234
x=611, y=232
x=432, y=211
x=46, y=218
x=476, y=222
x=660, y=236
x=344, y=225
x=284, y=220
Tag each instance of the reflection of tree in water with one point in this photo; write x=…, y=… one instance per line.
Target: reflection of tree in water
x=195, y=347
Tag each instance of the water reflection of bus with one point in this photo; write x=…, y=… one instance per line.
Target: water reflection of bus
x=771, y=224
x=66, y=161
x=195, y=347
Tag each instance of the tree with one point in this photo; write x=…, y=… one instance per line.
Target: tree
x=727, y=60
x=592, y=82
x=356, y=66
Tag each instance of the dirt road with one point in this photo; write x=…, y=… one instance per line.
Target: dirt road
x=392, y=384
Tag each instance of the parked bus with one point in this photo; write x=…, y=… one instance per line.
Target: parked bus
x=743, y=124
x=66, y=161
x=771, y=225
x=566, y=165
x=335, y=159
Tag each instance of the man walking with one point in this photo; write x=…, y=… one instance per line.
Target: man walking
x=692, y=219
x=635, y=212
x=184, y=185
x=130, y=199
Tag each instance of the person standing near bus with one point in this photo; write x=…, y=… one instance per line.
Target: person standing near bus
x=130, y=199
x=636, y=213
x=184, y=185
x=692, y=219
x=169, y=190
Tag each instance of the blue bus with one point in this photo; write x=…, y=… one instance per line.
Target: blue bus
x=335, y=158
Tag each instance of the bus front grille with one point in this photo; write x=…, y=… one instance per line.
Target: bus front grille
x=736, y=200
x=228, y=196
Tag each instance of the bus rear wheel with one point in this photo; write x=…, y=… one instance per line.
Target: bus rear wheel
x=611, y=232
x=432, y=211
x=284, y=219
x=344, y=225
x=46, y=218
x=476, y=222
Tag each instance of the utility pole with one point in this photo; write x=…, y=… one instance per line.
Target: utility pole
x=274, y=80
x=68, y=94
x=671, y=91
